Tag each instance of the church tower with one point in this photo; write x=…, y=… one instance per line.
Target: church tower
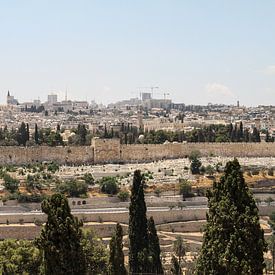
x=8, y=98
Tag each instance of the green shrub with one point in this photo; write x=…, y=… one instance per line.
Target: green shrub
x=109, y=185
x=73, y=188
x=10, y=183
x=123, y=195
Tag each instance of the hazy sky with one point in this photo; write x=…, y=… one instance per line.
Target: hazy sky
x=198, y=51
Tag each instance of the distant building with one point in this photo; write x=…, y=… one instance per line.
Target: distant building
x=157, y=103
x=11, y=100
x=145, y=96
x=52, y=99
x=80, y=105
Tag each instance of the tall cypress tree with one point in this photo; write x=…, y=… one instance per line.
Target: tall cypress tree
x=60, y=239
x=175, y=266
x=154, y=248
x=22, y=135
x=27, y=132
x=36, y=136
x=233, y=239
x=116, y=260
x=138, y=235
x=241, y=131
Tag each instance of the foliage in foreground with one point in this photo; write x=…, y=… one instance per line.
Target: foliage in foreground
x=233, y=239
x=60, y=239
x=19, y=257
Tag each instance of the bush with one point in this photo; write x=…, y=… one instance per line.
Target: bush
x=73, y=188
x=33, y=182
x=38, y=222
x=268, y=200
x=270, y=172
x=30, y=198
x=157, y=192
x=195, y=163
x=185, y=189
x=210, y=170
x=88, y=178
x=123, y=195
x=109, y=185
x=10, y=183
x=53, y=167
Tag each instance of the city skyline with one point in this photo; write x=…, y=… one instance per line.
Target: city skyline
x=218, y=52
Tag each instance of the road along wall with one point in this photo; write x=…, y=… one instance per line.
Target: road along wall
x=10, y=226
x=111, y=151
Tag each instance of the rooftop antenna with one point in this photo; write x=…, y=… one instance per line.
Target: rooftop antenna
x=66, y=95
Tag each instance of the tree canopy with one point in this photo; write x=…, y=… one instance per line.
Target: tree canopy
x=60, y=238
x=233, y=240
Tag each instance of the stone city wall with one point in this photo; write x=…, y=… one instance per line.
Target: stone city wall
x=62, y=155
x=111, y=151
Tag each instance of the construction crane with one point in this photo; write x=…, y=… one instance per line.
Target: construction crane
x=164, y=95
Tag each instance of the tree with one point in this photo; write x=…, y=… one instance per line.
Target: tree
x=271, y=247
x=73, y=188
x=82, y=132
x=109, y=185
x=241, y=135
x=60, y=238
x=138, y=236
x=19, y=257
x=185, y=189
x=210, y=170
x=36, y=135
x=233, y=240
x=195, y=163
x=95, y=252
x=10, y=183
x=22, y=135
x=179, y=248
x=88, y=178
x=175, y=267
x=116, y=259
x=154, y=248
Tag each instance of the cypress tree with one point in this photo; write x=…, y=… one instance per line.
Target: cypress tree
x=154, y=248
x=22, y=135
x=241, y=131
x=233, y=240
x=27, y=132
x=116, y=259
x=60, y=239
x=175, y=266
x=246, y=135
x=36, y=136
x=138, y=235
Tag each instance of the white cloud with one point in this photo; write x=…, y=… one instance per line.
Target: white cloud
x=269, y=70
x=217, y=89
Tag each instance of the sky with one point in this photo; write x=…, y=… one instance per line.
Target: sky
x=198, y=51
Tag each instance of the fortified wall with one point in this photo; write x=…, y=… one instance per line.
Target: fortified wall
x=62, y=155
x=111, y=151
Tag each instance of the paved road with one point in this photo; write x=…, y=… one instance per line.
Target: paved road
x=104, y=210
